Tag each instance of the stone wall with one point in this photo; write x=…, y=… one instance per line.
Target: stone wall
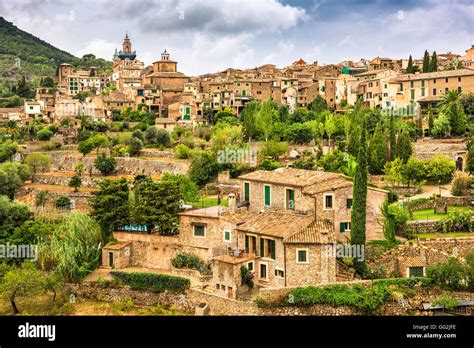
x=150, y=251
x=65, y=161
x=428, y=251
x=80, y=198
x=218, y=305
x=449, y=201
x=63, y=180
x=460, y=246
x=420, y=226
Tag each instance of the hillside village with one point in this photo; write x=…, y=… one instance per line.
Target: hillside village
x=256, y=191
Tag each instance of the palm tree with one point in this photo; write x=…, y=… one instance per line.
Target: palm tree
x=452, y=108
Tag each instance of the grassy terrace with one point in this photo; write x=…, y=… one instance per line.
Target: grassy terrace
x=444, y=235
x=429, y=214
x=206, y=202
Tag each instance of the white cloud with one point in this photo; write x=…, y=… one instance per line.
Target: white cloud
x=100, y=48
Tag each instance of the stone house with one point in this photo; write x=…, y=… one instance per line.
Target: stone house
x=325, y=195
x=280, y=230
x=116, y=255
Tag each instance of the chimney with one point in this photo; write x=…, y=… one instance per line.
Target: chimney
x=232, y=204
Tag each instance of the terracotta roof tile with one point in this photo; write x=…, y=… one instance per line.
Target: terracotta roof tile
x=289, y=176
x=318, y=232
x=276, y=223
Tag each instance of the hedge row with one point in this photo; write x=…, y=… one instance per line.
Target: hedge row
x=152, y=282
x=367, y=299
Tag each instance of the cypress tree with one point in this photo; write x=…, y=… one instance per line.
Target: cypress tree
x=434, y=62
x=359, y=194
x=430, y=120
x=426, y=62
x=377, y=151
x=409, y=69
x=392, y=139
x=404, y=147
x=22, y=88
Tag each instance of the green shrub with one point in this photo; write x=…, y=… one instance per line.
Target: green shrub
x=153, y=282
x=185, y=260
x=44, y=134
x=461, y=184
x=62, y=202
x=182, y=151
x=456, y=221
x=448, y=302
x=268, y=164
x=367, y=299
x=451, y=274
x=50, y=146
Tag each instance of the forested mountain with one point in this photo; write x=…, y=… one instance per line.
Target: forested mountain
x=37, y=58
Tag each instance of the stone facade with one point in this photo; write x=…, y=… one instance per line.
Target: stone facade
x=116, y=255
x=150, y=251
x=320, y=268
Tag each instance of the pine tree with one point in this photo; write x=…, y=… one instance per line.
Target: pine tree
x=434, y=62
x=426, y=62
x=404, y=148
x=409, y=69
x=359, y=194
x=377, y=151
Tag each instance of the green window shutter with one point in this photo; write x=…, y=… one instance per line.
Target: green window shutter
x=188, y=110
x=267, y=195
x=342, y=227
x=246, y=244
x=262, y=247
x=247, y=192
x=272, y=243
x=349, y=203
x=291, y=199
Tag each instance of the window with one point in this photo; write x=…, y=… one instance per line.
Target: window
x=263, y=271
x=446, y=90
x=459, y=79
x=385, y=86
x=267, y=195
x=227, y=235
x=434, y=81
x=422, y=83
x=422, y=92
x=246, y=191
x=301, y=255
x=267, y=248
x=328, y=201
x=199, y=230
x=447, y=80
x=349, y=203
x=412, y=84
x=290, y=199
x=416, y=272
x=279, y=273
x=459, y=90
x=412, y=94
x=434, y=91
x=250, y=266
x=344, y=227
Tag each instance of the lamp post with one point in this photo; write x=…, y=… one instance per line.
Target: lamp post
x=439, y=183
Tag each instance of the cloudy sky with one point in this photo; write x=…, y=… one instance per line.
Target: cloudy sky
x=211, y=35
